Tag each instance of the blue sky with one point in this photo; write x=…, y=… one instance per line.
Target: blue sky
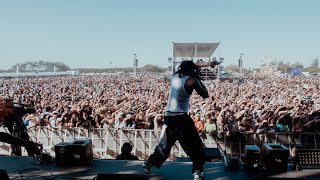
x=94, y=33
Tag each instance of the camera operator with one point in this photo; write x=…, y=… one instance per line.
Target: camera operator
x=10, y=117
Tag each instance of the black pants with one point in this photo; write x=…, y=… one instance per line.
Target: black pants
x=179, y=128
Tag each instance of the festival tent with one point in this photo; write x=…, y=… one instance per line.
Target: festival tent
x=225, y=74
x=295, y=71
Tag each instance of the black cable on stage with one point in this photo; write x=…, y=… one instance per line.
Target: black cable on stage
x=51, y=177
x=30, y=169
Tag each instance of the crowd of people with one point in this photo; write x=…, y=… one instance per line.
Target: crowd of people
x=259, y=104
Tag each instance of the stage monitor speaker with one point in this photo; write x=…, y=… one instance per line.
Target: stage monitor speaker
x=251, y=156
x=122, y=177
x=212, y=154
x=3, y=175
x=274, y=157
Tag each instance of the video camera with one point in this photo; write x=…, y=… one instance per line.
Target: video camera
x=18, y=110
x=217, y=62
x=12, y=120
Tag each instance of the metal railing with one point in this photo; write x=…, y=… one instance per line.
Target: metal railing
x=107, y=142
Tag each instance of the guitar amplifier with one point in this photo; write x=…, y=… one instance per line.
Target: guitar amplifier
x=81, y=151
x=251, y=156
x=63, y=153
x=76, y=152
x=274, y=157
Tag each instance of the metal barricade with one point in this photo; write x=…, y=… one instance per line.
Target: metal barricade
x=107, y=143
x=5, y=148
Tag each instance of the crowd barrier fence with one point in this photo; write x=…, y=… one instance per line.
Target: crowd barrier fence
x=107, y=142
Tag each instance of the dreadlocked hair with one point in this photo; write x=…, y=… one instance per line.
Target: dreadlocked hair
x=188, y=68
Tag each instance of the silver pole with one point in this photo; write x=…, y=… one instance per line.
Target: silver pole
x=218, y=67
x=173, y=65
x=135, y=64
x=241, y=64
x=196, y=51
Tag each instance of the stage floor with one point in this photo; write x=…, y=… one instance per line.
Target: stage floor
x=170, y=170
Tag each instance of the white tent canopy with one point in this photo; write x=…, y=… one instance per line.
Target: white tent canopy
x=193, y=50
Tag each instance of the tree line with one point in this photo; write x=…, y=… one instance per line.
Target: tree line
x=146, y=68
x=40, y=66
x=283, y=67
x=47, y=66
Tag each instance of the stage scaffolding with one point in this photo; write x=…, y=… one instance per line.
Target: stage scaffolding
x=196, y=52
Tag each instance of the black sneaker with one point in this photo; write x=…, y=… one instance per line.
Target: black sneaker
x=147, y=166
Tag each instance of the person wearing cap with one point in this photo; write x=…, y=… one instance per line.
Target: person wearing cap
x=178, y=125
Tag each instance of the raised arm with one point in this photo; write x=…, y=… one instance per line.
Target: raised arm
x=196, y=84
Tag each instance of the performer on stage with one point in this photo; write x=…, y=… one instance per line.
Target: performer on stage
x=177, y=123
x=9, y=118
